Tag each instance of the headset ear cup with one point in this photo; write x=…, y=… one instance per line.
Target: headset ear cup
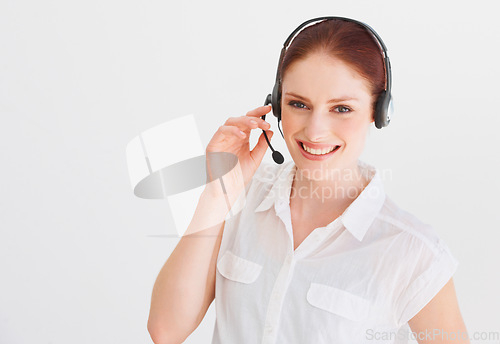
x=276, y=102
x=390, y=111
x=378, y=114
x=381, y=110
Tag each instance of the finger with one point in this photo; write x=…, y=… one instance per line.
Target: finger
x=231, y=130
x=247, y=123
x=260, y=111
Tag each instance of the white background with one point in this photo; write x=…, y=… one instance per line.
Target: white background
x=79, y=253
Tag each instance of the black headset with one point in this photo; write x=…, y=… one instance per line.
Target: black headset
x=384, y=101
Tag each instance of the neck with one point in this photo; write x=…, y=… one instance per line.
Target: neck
x=320, y=189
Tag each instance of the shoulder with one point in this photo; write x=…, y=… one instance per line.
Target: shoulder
x=421, y=263
x=265, y=184
x=408, y=227
x=270, y=171
x=416, y=245
x=422, y=255
x=268, y=174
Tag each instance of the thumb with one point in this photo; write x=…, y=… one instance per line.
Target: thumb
x=260, y=148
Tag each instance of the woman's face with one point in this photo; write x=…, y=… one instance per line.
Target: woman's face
x=325, y=103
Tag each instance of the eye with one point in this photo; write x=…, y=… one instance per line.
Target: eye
x=342, y=109
x=296, y=104
x=300, y=105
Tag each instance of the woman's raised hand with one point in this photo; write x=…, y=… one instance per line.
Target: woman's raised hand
x=230, y=147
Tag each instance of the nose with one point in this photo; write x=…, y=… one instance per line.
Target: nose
x=317, y=127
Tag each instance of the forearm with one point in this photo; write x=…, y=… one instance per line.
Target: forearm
x=185, y=286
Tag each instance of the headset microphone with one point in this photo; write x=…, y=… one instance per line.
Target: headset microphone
x=277, y=156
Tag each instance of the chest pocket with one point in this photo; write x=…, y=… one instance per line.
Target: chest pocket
x=237, y=268
x=338, y=301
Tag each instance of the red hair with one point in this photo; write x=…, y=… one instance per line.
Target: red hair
x=347, y=41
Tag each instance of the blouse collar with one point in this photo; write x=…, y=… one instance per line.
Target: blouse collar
x=358, y=216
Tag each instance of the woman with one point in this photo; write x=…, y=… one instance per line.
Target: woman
x=318, y=253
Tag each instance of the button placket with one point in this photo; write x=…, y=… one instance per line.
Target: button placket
x=283, y=212
x=276, y=301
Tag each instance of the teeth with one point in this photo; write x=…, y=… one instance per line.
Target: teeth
x=318, y=151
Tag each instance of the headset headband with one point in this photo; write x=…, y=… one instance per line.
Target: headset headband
x=379, y=40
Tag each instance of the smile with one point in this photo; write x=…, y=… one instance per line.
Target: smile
x=317, y=154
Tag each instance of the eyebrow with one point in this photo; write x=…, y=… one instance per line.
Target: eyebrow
x=334, y=100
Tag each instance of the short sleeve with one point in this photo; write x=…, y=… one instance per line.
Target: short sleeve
x=438, y=270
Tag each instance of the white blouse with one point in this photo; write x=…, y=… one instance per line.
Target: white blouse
x=357, y=280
